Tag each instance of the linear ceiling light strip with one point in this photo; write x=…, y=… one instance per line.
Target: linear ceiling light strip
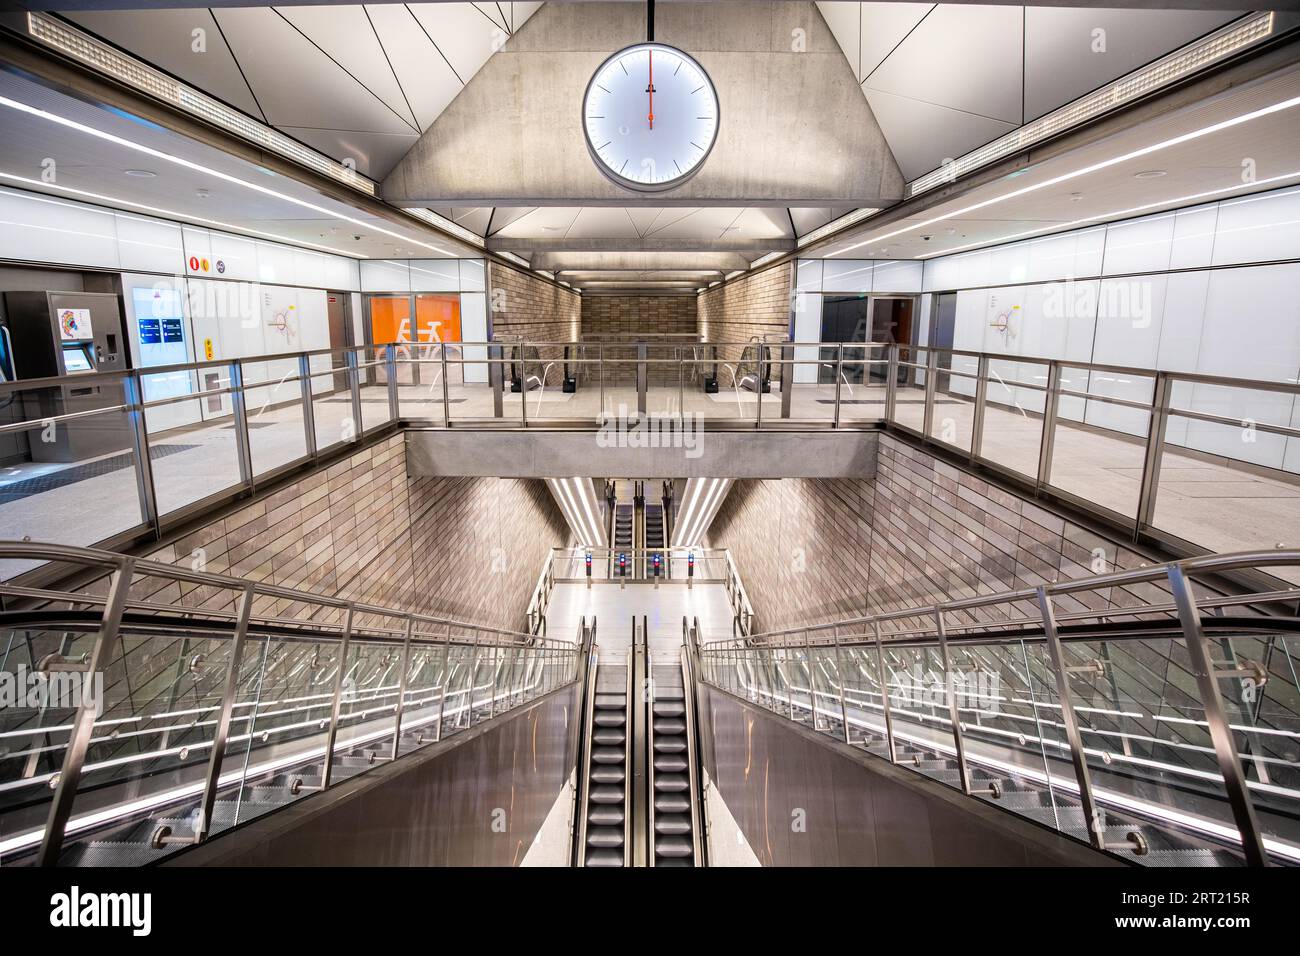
x=1155, y=76
x=445, y=224
x=113, y=63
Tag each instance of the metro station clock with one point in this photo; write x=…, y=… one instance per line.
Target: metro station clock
x=650, y=115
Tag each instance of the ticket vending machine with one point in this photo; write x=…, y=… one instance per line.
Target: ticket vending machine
x=67, y=335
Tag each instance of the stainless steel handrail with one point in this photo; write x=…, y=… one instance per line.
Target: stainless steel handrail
x=1183, y=613
x=529, y=654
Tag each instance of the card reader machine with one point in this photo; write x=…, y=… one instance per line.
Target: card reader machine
x=67, y=335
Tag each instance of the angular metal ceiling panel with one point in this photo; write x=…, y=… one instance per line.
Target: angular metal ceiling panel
x=845, y=21
x=427, y=79
x=960, y=57
x=923, y=135
x=883, y=27
x=167, y=39
x=1069, y=51
x=346, y=34
x=372, y=152
x=464, y=34
x=295, y=82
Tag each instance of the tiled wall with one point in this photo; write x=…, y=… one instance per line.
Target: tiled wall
x=756, y=305
x=468, y=548
x=631, y=315
x=522, y=305
x=920, y=532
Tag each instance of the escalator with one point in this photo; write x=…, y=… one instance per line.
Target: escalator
x=638, y=796
x=673, y=773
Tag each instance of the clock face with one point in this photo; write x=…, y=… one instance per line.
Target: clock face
x=650, y=116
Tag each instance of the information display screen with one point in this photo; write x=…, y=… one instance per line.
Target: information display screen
x=76, y=360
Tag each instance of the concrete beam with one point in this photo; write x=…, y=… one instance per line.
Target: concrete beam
x=546, y=453
x=795, y=129
x=755, y=247
x=640, y=261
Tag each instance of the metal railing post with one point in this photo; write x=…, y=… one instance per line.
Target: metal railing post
x=642, y=379
x=332, y=735
x=787, y=379
x=83, y=723
x=446, y=682
x=390, y=369
x=1051, y=402
x=446, y=392
x=133, y=387
x=891, y=385
x=354, y=390
x=308, y=409
x=496, y=376
x=981, y=404
x=222, y=731
x=839, y=379
x=950, y=688
x=401, y=684
x=239, y=408
x=1157, y=424
x=1225, y=748
x=1095, y=824
x=839, y=668
x=931, y=378
x=883, y=680
x=523, y=384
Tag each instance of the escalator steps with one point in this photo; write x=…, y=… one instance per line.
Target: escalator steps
x=670, y=745
x=607, y=755
x=669, y=708
x=610, y=718
x=669, y=725
x=672, y=824
x=600, y=856
x=671, y=803
x=608, y=773
x=609, y=737
x=668, y=763
x=607, y=794
x=605, y=836
x=673, y=846
x=611, y=702
x=671, y=782
x=608, y=816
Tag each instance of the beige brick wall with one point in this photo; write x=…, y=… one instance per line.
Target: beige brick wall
x=631, y=315
x=523, y=305
x=918, y=533
x=470, y=548
x=756, y=305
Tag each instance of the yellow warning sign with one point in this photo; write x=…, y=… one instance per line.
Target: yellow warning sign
x=207, y=350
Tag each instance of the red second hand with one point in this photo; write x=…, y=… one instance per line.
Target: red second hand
x=651, y=87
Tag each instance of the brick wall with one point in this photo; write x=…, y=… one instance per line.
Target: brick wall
x=918, y=533
x=469, y=548
x=756, y=305
x=631, y=315
x=523, y=305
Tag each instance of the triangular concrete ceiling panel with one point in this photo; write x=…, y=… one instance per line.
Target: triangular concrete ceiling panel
x=923, y=135
x=884, y=26
x=374, y=153
x=669, y=218
x=322, y=95
x=426, y=78
x=553, y=221
x=463, y=34
x=643, y=218
x=345, y=33
x=1062, y=61
x=808, y=219
x=962, y=57
x=503, y=216
x=711, y=223
x=166, y=38
x=602, y=222
x=473, y=218
x=762, y=223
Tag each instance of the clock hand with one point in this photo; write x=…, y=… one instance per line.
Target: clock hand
x=650, y=87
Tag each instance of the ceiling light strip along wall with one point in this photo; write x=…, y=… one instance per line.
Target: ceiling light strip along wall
x=835, y=225
x=1178, y=65
x=111, y=62
x=445, y=224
